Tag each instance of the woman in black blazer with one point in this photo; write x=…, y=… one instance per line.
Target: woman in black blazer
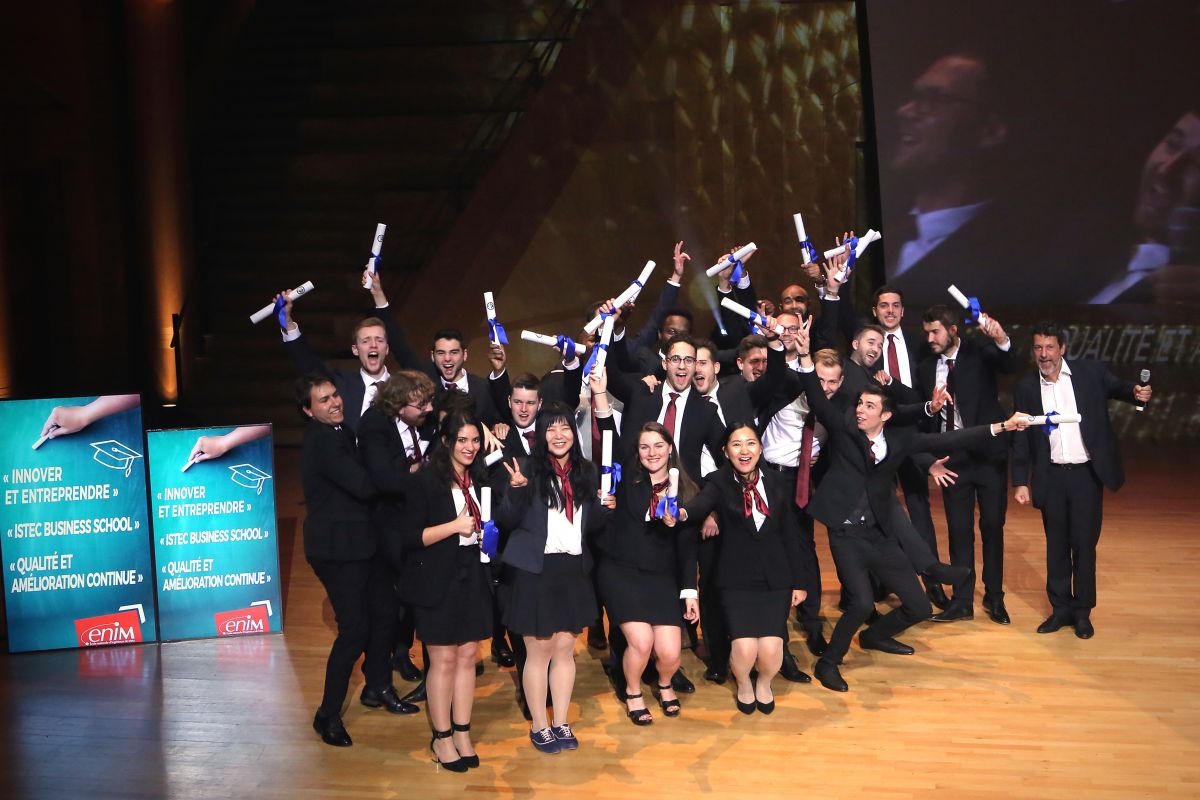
x=758, y=564
x=546, y=591
x=445, y=581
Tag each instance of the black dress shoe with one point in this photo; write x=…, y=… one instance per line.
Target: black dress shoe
x=953, y=613
x=790, y=671
x=716, y=675
x=765, y=708
x=745, y=708
x=1083, y=628
x=1053, y=623
x=873, y=617
x=417, y=695
x=374, y=698
x=947, y=574
x=830, y=677
x=478, y=668
x=403, y=664
x=681, y=683
x=816, y=641
x=996, y=611
x=885, y=644
x=332, y=731
x=937, y=595
x=502, y=654
x=595, y=638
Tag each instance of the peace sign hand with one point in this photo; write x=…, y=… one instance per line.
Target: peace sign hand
x=515, y=479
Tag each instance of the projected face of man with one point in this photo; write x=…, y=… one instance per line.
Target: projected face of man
x=944, y=125
x=1170, y=178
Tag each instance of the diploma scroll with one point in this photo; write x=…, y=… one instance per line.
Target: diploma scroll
x=753, y=316
x=293, y=295
x=969, y=304
x=631, y=292
x=606, y=438
x=1053, y=419
x=550, y=341
x=373, y=261
x=730, y=260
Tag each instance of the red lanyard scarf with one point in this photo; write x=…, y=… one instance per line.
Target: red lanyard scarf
x=656, y=491
x=464, y=483
x=751, y=499
x=563, y=472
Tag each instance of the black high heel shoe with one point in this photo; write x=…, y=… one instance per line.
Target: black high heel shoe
x=745, y=708
x=641, y=716
x=669, y=707
x=454, y=766
x=470, y=761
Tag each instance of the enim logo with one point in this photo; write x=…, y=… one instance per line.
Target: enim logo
x=120, y=628
x=242, y=621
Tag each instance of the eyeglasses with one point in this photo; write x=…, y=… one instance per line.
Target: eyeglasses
x=677, y=360
x=791, y=328
x=419, y=406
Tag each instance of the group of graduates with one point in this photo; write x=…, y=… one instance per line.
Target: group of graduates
x=724, y=452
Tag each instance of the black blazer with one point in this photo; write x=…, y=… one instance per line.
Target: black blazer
x=851, y=469
x=382, y=449
x=1094, y=385
x=477, y=387
x=649, y=546
x=337, y=495
x=747, y=556
x=523, y=513
x=428, y=571
x=564, y=388
x=976, y=364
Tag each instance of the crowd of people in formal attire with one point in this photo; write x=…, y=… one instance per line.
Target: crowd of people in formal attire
x=452, y=508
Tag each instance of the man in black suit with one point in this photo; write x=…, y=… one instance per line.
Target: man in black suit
x=374, y=338
x=856, y=502
x=1064, y=470
x=967, y=366
x=340, y=545
x=447, y=367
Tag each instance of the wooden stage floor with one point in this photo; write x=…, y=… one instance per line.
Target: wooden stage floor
x=981, y=711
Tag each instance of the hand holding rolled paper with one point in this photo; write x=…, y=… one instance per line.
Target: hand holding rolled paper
x=557, y=342
x=969, y=304
x=755, y=317
x=599, y=356
x=497, y=357
x=1052, y=420
x=282, y=304
x=373, y=261
x=806, y=245
x=491, y=458
x=495, y=329
x=734, y=260
x=630, y=293
x=669, y=505
x=606, y=461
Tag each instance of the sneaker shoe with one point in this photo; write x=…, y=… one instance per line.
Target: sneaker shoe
x=545, y=741
x=566, y=740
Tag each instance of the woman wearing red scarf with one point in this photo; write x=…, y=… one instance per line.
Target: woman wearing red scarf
x=758, y=565
x=447, y=584
x=551, y=505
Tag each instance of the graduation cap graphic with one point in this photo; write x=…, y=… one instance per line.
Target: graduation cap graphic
x=249, y=476
x=114, y=455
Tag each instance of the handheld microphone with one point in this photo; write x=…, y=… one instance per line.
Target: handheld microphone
x=1143, y=380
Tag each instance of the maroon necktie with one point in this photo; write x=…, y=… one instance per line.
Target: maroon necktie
x=464, y=483
x=669, y=417
x=657, y=491
x=751, y=499
x=563, y=471
x=529, y=438
x=805, y=467
x=893, y=360
x=416, y=446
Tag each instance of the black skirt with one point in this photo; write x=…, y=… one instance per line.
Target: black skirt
x=559, y=599
x=465, y=614
x=631, y=595
x=755, y=613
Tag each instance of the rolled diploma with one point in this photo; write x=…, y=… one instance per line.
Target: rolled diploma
x=293, y=295
x=489, y=304
x=376, y=247
x=962, y=300
x=742, y=311
x=550, y=341
x=605, y=339
x=841, y=248
x=1053, y=419
x=631, y=291
x=802, y=236
x=606, y=460
x=672, y=482
x=725, y=263
x=492, y=458
x=485, y=503
x=870, y=236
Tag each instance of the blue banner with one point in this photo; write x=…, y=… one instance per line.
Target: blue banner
x=75, y=538
x=212, y=504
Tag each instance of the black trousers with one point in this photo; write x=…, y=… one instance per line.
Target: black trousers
x=808, y=613
x=860, y=553
x=982, y=483
x=364, y=608
x=914, y=483
x=712, y=609
x=1072, y=514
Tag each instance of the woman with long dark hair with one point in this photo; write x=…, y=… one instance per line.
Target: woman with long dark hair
x=546, y=592
x=759, y=568
x=447, y=584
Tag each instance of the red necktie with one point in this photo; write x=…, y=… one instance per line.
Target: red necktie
x=563, y=471
x=948, y=409
x=751, y=499
x=529, y=438
x=893, y=360
x=805, y=468
x=656, y=491
x=415, y=458
x=669, y=417
x=464, y=483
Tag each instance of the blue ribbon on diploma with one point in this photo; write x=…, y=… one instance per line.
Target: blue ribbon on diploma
x=496, y=332
x=668, y=504
x=1049, y=427
x=375, y=261
x=738, y=272
x=591, y=362
x=615, y=471
x=756, y=317
x=569, y=353
x=853, y=259
x=973, y=313
x=813, y=255
x=491, y=539
x=280, y=314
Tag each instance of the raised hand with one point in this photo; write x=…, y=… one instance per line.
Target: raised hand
x=681, y=258
x=941, y=396
x=941, y=474
x=515, y=479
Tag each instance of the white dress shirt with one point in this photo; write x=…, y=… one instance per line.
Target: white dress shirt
x=1066, y=441
x=562, y=535
x=783, y=437
x=369, y=387
x=896, y=337
x=680, y=402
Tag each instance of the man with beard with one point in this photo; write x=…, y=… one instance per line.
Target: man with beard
x=448, y=357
